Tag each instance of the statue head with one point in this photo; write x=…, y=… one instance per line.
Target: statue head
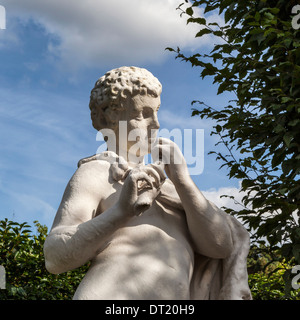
x=113, y=92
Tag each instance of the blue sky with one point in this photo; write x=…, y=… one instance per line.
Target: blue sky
x=51, y=54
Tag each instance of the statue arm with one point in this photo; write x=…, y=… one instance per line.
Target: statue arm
x=207, y=224
x=79, y=232
x=77, y=235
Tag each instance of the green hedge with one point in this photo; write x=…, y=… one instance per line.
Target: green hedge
x=21, y=254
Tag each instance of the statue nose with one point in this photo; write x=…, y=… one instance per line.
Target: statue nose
x=155, y=123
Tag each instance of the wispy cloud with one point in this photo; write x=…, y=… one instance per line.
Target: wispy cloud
x=214, y=195
x=27, y=207
x=42, y=112
x=108, y=32
x=40, y=146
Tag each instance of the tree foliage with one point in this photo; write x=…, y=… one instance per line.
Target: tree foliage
x=267, y=272
x=21, y=254
x=257, y=57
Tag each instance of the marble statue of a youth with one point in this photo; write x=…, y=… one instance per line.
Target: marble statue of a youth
x=147, y=229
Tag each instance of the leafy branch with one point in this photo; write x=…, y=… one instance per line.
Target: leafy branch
x=257, y=59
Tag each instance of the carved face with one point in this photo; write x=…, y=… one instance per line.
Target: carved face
x=142, y=122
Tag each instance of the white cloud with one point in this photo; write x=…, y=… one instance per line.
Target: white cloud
x=40, y=141
x=35, y=208
x=108, y=32
x=214, y=195
x=28, y=207
x=37, y=111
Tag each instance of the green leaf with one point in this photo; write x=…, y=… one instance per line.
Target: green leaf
x=201, y=21
x=294, y=122
x=203, y=32
x=218, y=128
x=269, y=16
x=279, y=128
x=170, y=49
x=287, y=138
x=189, y=11
x=222, y=87
x=286, y=99
x=296, y=252
x=246, y=183
x=274, y=10
x=218, y=33
x=259, y=152
x=257, y=16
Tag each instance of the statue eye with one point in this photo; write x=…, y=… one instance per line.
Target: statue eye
x=147, y=112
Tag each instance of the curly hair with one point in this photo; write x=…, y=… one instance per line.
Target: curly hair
x=110, y=91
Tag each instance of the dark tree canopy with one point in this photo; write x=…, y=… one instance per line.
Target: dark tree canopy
x=257, y=57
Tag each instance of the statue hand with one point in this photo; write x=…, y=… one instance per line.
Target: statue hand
x=141, y=187
x=171, y=156
x=119, y=169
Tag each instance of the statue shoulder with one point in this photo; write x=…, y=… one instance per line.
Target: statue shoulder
x=107, y=156
x=92, y=167
x=106, y=163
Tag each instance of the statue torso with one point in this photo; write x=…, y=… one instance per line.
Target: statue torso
x=151, y=257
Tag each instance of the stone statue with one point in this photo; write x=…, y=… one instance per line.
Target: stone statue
x=147, y=229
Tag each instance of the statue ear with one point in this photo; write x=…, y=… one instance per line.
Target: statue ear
x=107, y=116
x=103, y=122
x=99, y=119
